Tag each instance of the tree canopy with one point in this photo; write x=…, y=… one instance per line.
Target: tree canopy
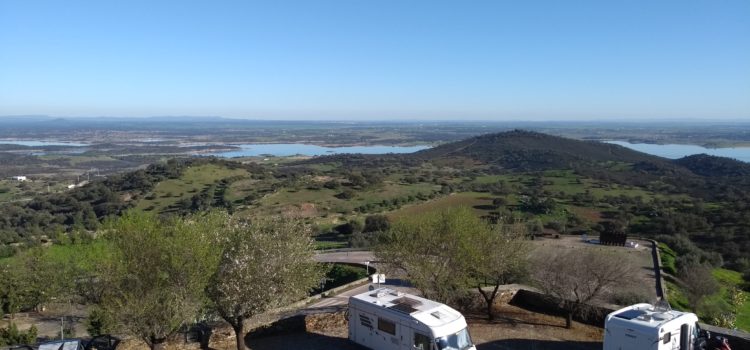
x=160, y=268
x=265, y=263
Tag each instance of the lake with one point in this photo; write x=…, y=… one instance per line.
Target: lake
x=291, y=149
x=673, y=151
x=41, y=143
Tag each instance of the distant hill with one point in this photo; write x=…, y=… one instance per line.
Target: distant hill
x=712, y=166
x=526, y=150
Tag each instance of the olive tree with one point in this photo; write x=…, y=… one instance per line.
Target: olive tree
x=266, y=263
x=575, y=277
x=159, y=270
x=699, y=283
x=433, y=250
x=33, y=278
x=499, y=256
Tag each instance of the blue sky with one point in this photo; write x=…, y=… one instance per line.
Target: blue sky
x=350, y=59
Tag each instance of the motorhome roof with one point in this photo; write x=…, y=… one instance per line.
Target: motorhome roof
x=429, y=312
x=646, y=316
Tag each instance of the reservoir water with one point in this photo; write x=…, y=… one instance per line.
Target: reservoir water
x=291, y=149
x=674, y=151
x=41, y=143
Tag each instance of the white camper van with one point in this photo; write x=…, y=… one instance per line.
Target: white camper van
x=384, y=319
x=647, y=327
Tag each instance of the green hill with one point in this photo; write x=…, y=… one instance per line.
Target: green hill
x=525, y=150
x=713, y=166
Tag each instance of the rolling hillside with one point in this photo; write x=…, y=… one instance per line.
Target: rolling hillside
x=565, y=184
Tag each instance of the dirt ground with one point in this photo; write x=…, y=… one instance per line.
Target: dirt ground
x=639, y=259
x=48, y=321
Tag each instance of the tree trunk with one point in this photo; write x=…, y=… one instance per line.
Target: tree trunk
x=569, y=320
x=489, y=299
x=158, y=344
x=239, y=333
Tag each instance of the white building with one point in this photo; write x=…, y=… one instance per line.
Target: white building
x=19, y=178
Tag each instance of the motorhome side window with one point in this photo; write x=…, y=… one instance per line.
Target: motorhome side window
x=421, y=342
x=386, y=326
x=667, y=337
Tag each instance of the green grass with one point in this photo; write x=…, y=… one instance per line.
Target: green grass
x=728, y=279
x=192, y=181
x=488, y=179
x=325, y=200
x=469, y=199
x=668, y=259
x=82, y=255
x=238, y=190
x=676, y=298
x=743, y=316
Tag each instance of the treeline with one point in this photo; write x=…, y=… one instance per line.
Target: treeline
x=84, y=208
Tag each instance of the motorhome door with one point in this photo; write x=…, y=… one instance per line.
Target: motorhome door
x=421, y=341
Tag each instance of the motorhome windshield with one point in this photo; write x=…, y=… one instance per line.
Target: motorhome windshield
x=458, y=341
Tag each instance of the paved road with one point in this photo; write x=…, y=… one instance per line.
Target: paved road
x=355, y=257
x=339, y=301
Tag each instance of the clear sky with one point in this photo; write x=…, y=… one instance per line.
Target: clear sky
x=379, y=59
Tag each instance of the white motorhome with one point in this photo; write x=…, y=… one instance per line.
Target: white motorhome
x=648, y=327
x=384, y=319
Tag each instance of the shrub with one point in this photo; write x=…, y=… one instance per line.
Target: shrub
x=353, y=226
x=332, y=184
x=12, y=336
x=376, y=223
x=363, y=240
x=99, y=323
x=346, y=194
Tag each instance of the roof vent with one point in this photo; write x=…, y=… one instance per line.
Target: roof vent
x=380, y=293
x=645, y=317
